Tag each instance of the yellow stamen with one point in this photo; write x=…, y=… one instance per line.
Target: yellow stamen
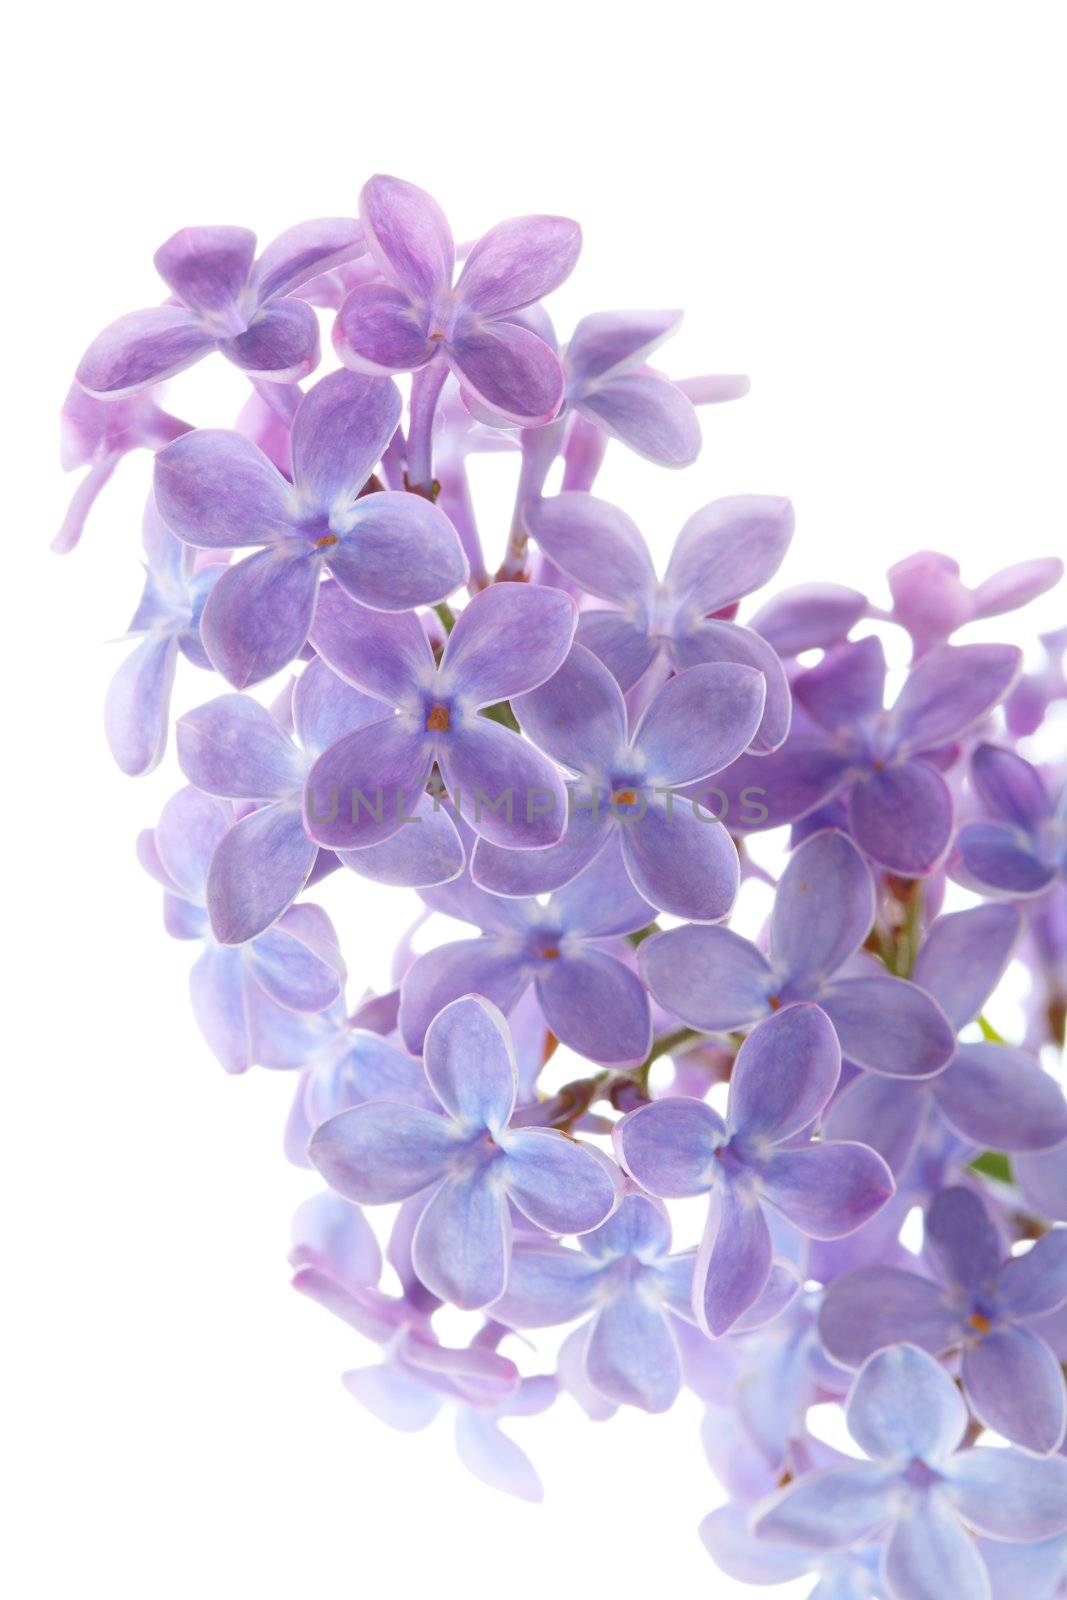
x=979, y=1323
x=327, y=538
x=437, y=721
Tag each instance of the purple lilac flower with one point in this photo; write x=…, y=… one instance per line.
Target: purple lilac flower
x=724, y=552
x=507, y=640
x=238, y=992
x=338, y=1265
x=810, y=616
x=469, y=1159
x=232, y=747
x=993, y=1095
x=784, y=1074
x=1024, y=851
x=167, y=619
x=918, y=1487
x=217, y=490
x=567, y=948
x=417, y=318
x=931, y=603
x=678, y=855
x=223, y=299
x=97, y=434
x=883, y=764
x=823, y=911
x=980, y=1304
x=625, y=1276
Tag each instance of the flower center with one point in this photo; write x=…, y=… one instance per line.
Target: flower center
x=979, y=1322
x=437, y=719
x=327, y=539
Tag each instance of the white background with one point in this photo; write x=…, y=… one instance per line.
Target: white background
x=860, y=205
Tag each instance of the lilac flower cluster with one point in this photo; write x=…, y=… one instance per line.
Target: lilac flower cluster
x=577, y=759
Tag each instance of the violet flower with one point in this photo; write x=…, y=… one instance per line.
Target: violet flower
x=1024, y=851
x=784, y=1074
x=469, y=1159
x=417, y=319
x=884, y=764
x=980, y=1304
x=918, y=1486
x=233, y=748
x=567, y=949
x=167, y=621
x=931, y=603
x=97, y=434
x=217, y=490
x=678, y=855
x=223, y=299
x=824, y=909
x=237, y=991
x=724, y=552
x=507, y=640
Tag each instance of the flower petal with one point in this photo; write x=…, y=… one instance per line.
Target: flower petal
x=669, y=1146
x=518, y=262
x=462, y=1241
x=631, y=1355
x=595, y=544
x=1009, y=1495
x=302, y=253
x=903, y=1404
x=232, y=746
x=889, y=1025
x=378, y=1152
x=596, y=1006
x=885, y=1113
x=930, y=1555
x=1002, y=858
x=1010, y=786
x=519, y=873
x=709, y=977
x=425, y=852
x=1036, y=1282
x=507, y=791
x=783, y=1075
x=903, y=818
x=729, y=548
x=257, y=617
x=871, y=1307
x=647, y=413
x=470, y=1065
x=408, y=235
x=682, y=861
x=208, y=268
x=137, y=707
x=1015, y=1386
x=281, y=343
x=141, y=349
x=547, y=1285
x=398, y=551
x=487, y=1452
x=482, y=660
x=733, y=1262
x=217, y=490
x=623, y=646
x=1002, y=1099
x=380, y=330
x=961, y=1237
x=699, y=722
x=823, y=908
x=562, y=1186
x=510, y=370
x=829, y=1510
x=714, y=641
x=611, y=341
x=827, y=1190
x=361, y=789
x=386, y=654
x=950, y=689
x=963, y=957
x=325, y=707
x=578, y=716
x=340, y=430
x=258, y=869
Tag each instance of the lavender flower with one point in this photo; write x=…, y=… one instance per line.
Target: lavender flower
x=216, y=490
x=724, y=552
x=784, y=1075
x=678, y=855
x=919, y=1485
x=470, y=1159
x=223, y=299
x=97, y=434
x=930, y=601
x=980, y=1303
x=1025, y=850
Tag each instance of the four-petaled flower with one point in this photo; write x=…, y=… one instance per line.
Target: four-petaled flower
x=784, y=1074
x=217, y=490
x=473, y=1164
x=223, y=299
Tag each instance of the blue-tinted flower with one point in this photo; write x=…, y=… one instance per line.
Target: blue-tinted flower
x=1024, y=851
